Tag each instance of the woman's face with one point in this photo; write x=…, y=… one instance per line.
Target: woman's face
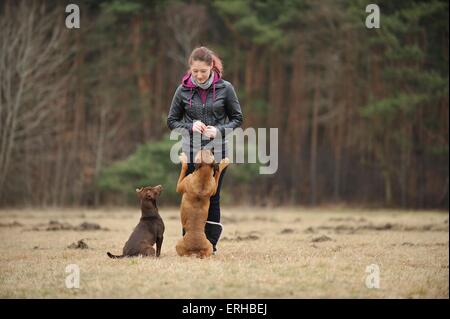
x=200, y=71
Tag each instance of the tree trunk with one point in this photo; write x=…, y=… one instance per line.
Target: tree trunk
x=314, y=136
x=296, y=128
x=143, y=77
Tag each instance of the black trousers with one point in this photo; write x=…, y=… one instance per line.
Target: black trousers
x=212, y=230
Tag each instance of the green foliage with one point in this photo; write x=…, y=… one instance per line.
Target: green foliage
x=260, y=106
x=244, y=173
x=412, y=78
x=149, y=165
x=122, y=7
x=398, y=75
x=262, y=23
x=410, y=53
x=390, y=107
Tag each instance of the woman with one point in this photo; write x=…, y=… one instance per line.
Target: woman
x=204, y=108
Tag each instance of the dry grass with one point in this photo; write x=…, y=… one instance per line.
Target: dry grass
x=264, y=253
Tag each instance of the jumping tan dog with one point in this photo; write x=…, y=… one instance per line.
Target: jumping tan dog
x=197, y=188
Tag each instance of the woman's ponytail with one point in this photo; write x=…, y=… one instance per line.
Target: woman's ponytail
x=217, y=64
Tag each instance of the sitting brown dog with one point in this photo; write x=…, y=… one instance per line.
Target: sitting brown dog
x=197, y=188
x=149, y=230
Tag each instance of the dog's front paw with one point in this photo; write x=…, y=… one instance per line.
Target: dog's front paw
x=224, y=163
x=183, y=159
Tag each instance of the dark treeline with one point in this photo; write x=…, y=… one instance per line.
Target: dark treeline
x=362, y=113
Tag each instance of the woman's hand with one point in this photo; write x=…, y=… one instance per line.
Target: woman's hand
x=210, y=131
x=199, y=127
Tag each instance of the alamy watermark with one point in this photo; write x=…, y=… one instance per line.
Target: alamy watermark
x=73, y=279
x=73, y=18
x=373, y=277
x=261, y=148
x=373, y=19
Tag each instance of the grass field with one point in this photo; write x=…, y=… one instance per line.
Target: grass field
x=263, y=253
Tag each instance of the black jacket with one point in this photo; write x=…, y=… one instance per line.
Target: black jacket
x=224, y=112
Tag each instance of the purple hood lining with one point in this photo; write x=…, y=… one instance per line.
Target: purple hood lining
x=187, y=83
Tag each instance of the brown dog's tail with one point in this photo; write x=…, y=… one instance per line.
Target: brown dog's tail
x=114, y=256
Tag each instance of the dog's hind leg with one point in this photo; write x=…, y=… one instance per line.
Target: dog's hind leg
x=145, y=249
x=148, y=251
x=206, y=252
x=181, y=248
x=207, y=249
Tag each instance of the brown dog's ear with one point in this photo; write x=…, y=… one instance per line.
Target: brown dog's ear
x=138, y=190
x=158, y=189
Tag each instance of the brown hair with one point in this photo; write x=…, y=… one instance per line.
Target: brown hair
x=206, y=55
